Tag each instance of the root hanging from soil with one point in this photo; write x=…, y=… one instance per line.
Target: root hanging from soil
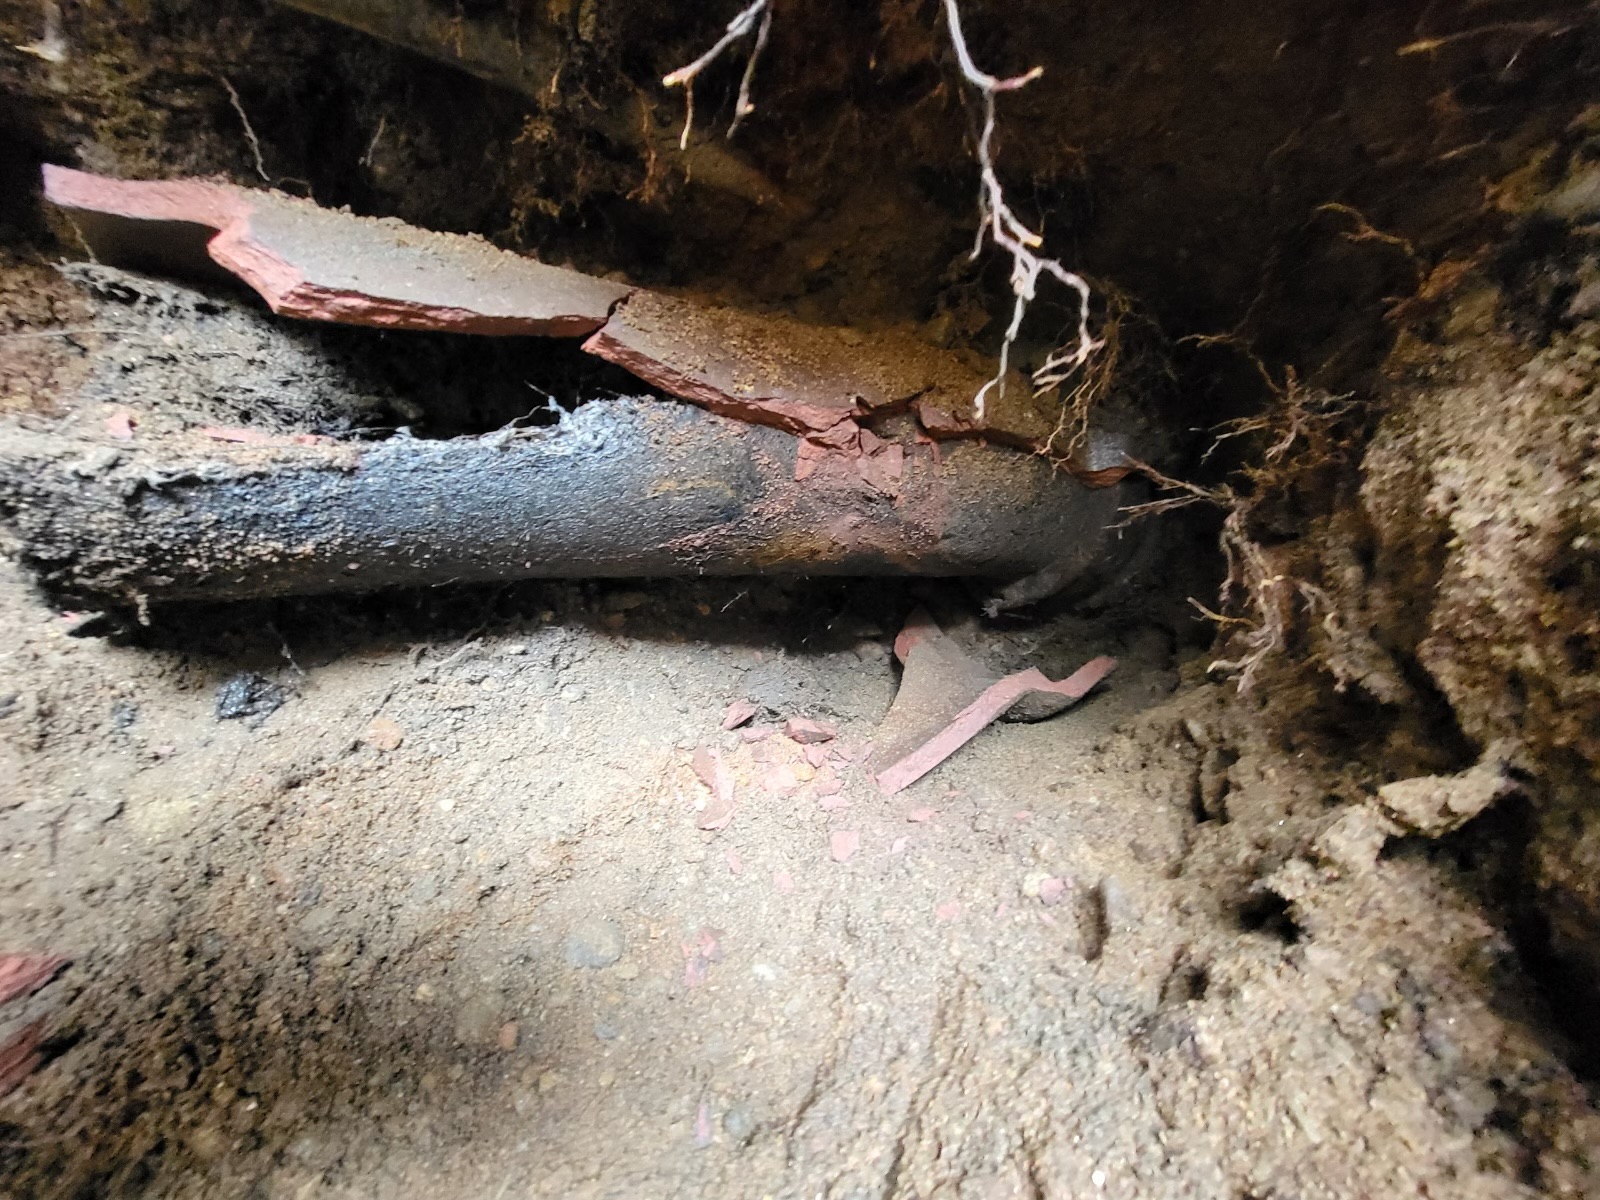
x=1011, y=235
x=249, y=130
x=1132, y=355
x=1259, y=596
x=685, y=76
x=997, y=222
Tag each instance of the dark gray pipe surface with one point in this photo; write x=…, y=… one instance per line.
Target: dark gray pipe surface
x=620, y=488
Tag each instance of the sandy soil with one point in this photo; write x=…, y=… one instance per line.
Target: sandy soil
x=409, y=895
x=444, y=923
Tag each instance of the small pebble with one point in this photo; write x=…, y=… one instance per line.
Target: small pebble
x=739, y=1123
x=384, y=734
x=248, y=695
x=478, y=1021
x=508, y=1036
x=871, y=652
x=1120, y=910
x=594, y=944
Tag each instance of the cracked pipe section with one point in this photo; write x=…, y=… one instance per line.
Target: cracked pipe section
x=620, y=488
x=318, y=264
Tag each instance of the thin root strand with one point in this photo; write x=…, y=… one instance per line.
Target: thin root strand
x=685, y=76
x=1013, y=236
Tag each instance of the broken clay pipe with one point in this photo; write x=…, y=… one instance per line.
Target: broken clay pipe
x=623, y=488
x=325, y=265
x=321, y=264
x=947, y=697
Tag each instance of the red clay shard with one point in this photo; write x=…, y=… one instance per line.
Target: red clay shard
x=323, y=265
x=988, y=707
x=19, y=1057
x=947, y=698
x=808, y=732
x=24, y=974
x=700, y=954
x=740, y=712
x=843, y=844
x=719, y=810
x=771, y=370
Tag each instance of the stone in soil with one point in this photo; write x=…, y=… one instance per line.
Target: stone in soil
x=248, y=695
x=594, y=944
x=478, y=1021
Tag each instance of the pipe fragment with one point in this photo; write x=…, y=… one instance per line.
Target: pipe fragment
x=319, y=264
x=621, y=488
x=774, y=370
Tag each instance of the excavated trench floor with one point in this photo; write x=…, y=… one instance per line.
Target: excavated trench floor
x=443, y=923
x=412, y=894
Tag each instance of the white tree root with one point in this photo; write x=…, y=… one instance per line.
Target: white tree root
x=684, y=77
x=997, y=220
x=1012, y=236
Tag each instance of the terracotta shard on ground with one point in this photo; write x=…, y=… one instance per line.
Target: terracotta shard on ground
x=23, y=974
x=808, y=732
x=772, y=370
x=978, y=715
x=740, y=712
x=322, y=265
x=947, y=698
x=940, y=679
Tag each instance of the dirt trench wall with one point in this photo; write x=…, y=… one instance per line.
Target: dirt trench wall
x=1471, y=558
x=1180, y=153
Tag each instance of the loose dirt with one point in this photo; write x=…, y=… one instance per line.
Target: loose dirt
x=422, y=894
x=445, y=922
